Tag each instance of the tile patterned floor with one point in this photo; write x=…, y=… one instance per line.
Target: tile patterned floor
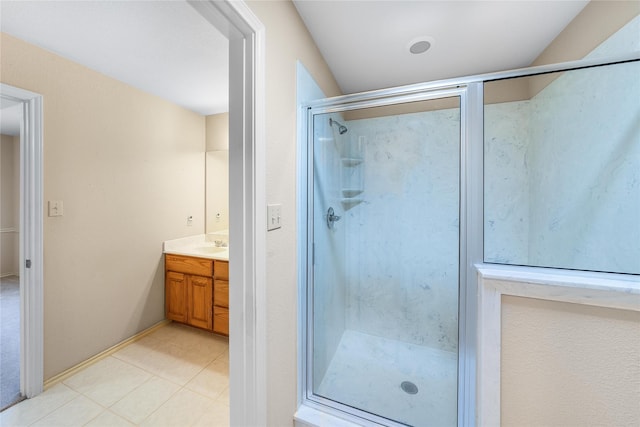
x=176, y=376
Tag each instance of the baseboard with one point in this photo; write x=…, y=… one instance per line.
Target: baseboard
x=80, y=366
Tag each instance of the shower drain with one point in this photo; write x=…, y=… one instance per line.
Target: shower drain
x=409, y=387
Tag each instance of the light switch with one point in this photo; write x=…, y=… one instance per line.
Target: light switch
x=274, y=216
x=55, y=208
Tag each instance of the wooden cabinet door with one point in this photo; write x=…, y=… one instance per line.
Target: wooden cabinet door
x=176, y=296
x=221, y=320
x=199, y=303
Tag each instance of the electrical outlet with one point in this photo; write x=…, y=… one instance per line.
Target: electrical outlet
x=274, y=216
x=56, y=208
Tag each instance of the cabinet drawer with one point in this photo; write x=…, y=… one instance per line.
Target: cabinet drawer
x=221, y=293
x=221, y=270
x=189, y=265
x=221, y=320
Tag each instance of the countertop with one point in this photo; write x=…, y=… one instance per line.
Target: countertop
x=196, y=246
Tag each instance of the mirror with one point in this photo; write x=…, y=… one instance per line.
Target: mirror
x=217, y=173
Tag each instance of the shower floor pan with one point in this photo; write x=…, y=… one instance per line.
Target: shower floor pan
x=367, y=372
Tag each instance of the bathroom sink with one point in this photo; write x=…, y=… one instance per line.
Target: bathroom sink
x=211, y=249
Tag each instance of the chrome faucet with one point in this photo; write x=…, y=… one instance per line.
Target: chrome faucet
x=331, y=218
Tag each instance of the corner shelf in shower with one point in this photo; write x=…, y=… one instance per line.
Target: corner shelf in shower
x=348, y=203
x=352, y=180
x=351, y=188
x=350, y=193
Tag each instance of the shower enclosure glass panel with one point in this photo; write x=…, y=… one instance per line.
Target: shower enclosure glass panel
x=562, y=169
x=384, y=295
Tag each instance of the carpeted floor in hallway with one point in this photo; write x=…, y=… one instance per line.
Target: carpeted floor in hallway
x=9, y=341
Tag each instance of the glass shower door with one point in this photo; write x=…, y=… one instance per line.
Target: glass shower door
x=385, y=281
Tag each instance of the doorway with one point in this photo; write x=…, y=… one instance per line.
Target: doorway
x=10, y=252
x=22, y=325
x=247, y=206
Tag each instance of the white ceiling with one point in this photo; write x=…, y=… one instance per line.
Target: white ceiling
x=366, y=43
x=166, y=48
x=162, y=47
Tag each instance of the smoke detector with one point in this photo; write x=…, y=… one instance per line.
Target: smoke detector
x=420, y=45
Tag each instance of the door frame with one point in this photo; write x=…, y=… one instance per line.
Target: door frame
x=31, y=240
x=247, y=205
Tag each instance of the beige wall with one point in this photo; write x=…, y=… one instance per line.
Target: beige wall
x=593, y=25
x=217, y=190
x=569, y=365
x=598, y=21
x=9, y=204
x=217, y=132
x=129, y=168
x=287, y=40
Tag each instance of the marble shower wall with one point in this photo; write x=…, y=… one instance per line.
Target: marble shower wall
x=585, y=163
x=402, y=241
x=506, y=182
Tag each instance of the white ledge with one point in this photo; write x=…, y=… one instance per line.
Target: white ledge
x=600, y=289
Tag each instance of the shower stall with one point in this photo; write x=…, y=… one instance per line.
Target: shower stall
x=386, y=257
x=408, y=190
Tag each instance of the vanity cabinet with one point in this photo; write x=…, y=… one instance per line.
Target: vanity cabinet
x=192, y=287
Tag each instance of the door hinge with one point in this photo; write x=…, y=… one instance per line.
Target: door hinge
x=27, y=263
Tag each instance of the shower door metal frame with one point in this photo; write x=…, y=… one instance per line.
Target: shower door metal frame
x=470, y=247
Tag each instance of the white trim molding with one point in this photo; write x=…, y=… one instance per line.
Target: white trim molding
x=31, y=240
x=247, y=205
x=619, y=291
